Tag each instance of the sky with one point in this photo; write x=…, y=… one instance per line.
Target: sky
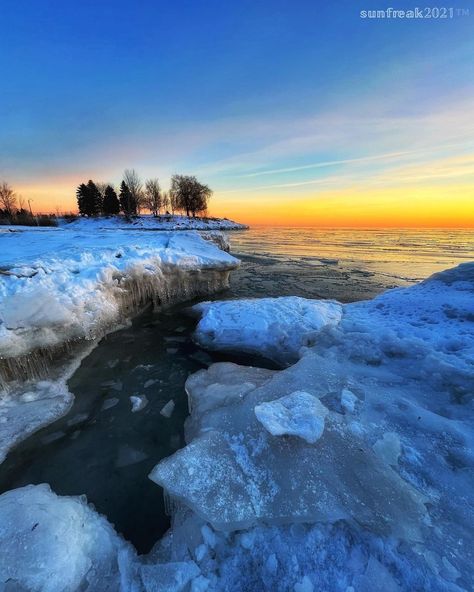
x=294, y=112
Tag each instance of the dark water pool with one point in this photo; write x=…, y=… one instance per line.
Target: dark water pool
x=103, y=449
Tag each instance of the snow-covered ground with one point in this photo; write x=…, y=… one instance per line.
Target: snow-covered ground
x=351, y=470
x=148, y=222
x=63, y=288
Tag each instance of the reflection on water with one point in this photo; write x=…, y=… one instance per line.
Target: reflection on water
x=346, y=265
x=410, y=254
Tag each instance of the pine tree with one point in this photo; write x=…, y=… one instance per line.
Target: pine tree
x=128, y=204
x=81, y=194
x=110, y=205
x=94, y=199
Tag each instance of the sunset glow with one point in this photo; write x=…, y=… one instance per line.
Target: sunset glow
x=279, y=123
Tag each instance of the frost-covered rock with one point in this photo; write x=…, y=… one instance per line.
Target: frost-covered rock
x=148, y=222
x=57, y=544
x=276, y=328
x=298, y=414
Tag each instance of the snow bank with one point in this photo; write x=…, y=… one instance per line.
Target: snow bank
x=383, y=499
x=61, y=286
x=148, y=222
x=276, y=328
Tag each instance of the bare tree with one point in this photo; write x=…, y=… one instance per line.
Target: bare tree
x=134, y=183
x=165, y=201
x=152, y=196
x=8, y=200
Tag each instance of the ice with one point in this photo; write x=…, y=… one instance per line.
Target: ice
x=276, y=328
x=109, y=403
x=388, y=448
x=53, y=544
x=79, y=281
x=150, y=382
x=383, y=500
x=21, y=416
x=129, y=456
x=167, y=410
x=348, y=401
x=304, y=586
x=169, y=577
x=138, y=402
x=297, y=414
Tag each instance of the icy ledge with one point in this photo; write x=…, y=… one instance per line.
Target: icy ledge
x=61, y=287
x=60, y=291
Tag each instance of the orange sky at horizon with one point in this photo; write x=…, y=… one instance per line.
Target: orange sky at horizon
x=414, y=207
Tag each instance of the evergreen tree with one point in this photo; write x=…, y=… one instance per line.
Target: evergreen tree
x=110, y=205
x=128, y=204
x=81, y=194
x=95, y=199
x=89, y=200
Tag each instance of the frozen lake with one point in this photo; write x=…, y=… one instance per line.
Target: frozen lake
x=104, y=450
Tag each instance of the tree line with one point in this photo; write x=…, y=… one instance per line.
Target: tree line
x=186, y=195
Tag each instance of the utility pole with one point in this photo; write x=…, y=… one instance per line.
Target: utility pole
x=29, y=203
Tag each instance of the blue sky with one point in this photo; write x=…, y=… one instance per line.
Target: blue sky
x=251, y=96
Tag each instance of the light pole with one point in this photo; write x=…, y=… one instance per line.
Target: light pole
x=29, y=203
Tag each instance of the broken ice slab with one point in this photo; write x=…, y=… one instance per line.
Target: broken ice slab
x=168, y=577
x=236, y=482
x=167, y=410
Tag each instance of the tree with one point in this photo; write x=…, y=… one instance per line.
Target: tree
x=89, y=200
x=128, y=205
x=8, y=200
x=82, y=199
x=110, y=203
x=165, y=201
x=152, y=196
x=188, y=194
x=134, y=184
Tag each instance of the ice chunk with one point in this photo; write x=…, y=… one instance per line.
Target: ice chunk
x=129, y=456
x=168, y=577
x=304, y=586
x=273, y=327
x=348, y=401
x=388, y=448
x=377, y=578
x=54, y=543
x=167, y=410
x=109, y=403
x=139, y=402
x=298, y=414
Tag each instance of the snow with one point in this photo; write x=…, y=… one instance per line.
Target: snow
x=148, y=222
x=65, y=285
x=383, y=500
x=61, y=289
x=51, y=544
x=297, y=414
x=276, y=328
x=387, y=492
